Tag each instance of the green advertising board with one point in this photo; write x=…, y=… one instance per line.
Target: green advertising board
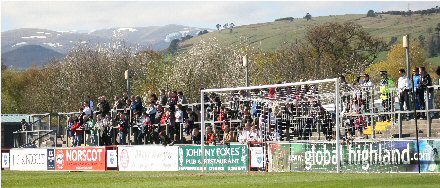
x=217, y=158
x=360, y=156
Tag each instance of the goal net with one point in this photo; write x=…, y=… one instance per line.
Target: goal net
x=307, y=111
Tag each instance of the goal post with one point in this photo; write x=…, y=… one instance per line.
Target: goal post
x=328, y=95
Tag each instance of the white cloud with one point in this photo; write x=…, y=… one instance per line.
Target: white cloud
x=86, y=15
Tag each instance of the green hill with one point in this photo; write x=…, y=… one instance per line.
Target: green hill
x=271, y=36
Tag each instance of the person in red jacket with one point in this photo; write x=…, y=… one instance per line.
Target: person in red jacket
x=210, y=137
x=222, y=117
x=79, y=133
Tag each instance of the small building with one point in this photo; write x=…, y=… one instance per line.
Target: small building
x=9, y=124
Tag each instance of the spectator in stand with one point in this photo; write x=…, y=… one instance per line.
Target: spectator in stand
x=91, y=104
x=106, y=130
x=146, y=129
x=103, y=106
x=158, y=115
x=222, y=117
x=425, y=82
x=151, y=111
x=77, y=129
x=386, y=85
x=181, y=98
x=118, y=104
x=272, y=93
x=254, y=135
x=90, y=124
x=127, y=107
x=196, y=136
x=416, y=90
x=163, y=99
x=125, y=96
x=210, y=136
x=165, y=119
x=70, y=123
x=123, y=129
x=246, y=115
x=247, y=129
x=216, y=133
x=366, y=81
x=190, y=120
x=242, y=137
x=172, y=100
x=153, y=98
x=179, y=119
x=137, y=107
x=98, y=129
x=227, y=136
x=403, y=86
x=169, y=120
x=87, y=109
x=24, y=125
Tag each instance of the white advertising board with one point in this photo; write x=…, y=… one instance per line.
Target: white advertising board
x=28, y=159
x=257, y=157
x=148, y=158
x=5, y=160
x=112, y=159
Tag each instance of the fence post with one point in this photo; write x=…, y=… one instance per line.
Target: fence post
x=180, y=130
x=373, y=122
x=427, y=114
x=399, y=119
x=130, y=126
x=38, y=138
x=338, y=126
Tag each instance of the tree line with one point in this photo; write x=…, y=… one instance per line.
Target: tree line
x=327, y=51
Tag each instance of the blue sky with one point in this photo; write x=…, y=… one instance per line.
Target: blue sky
x=92, y=15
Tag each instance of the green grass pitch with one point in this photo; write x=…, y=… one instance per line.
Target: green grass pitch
x=211, y=180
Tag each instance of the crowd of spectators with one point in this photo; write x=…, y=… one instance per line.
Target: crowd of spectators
x=167, y=119
x=254, y=116
x=358, y=99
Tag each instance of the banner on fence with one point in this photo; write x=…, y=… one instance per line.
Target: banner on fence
x=217, y=158
x=147, y=158
x=50, y=159
x=5, y=160
x=257, y=157
x=112, y=159
x=28, y=159
x=81, y=159
x=366, y=156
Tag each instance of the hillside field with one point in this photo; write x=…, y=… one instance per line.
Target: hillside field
x=272, y=36
x=212, y=180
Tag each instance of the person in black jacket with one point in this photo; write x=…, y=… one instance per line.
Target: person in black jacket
x=103, y=106
x=425, y=81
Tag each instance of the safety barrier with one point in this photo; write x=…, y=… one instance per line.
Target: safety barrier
x=371, y=156
x=359, y=156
